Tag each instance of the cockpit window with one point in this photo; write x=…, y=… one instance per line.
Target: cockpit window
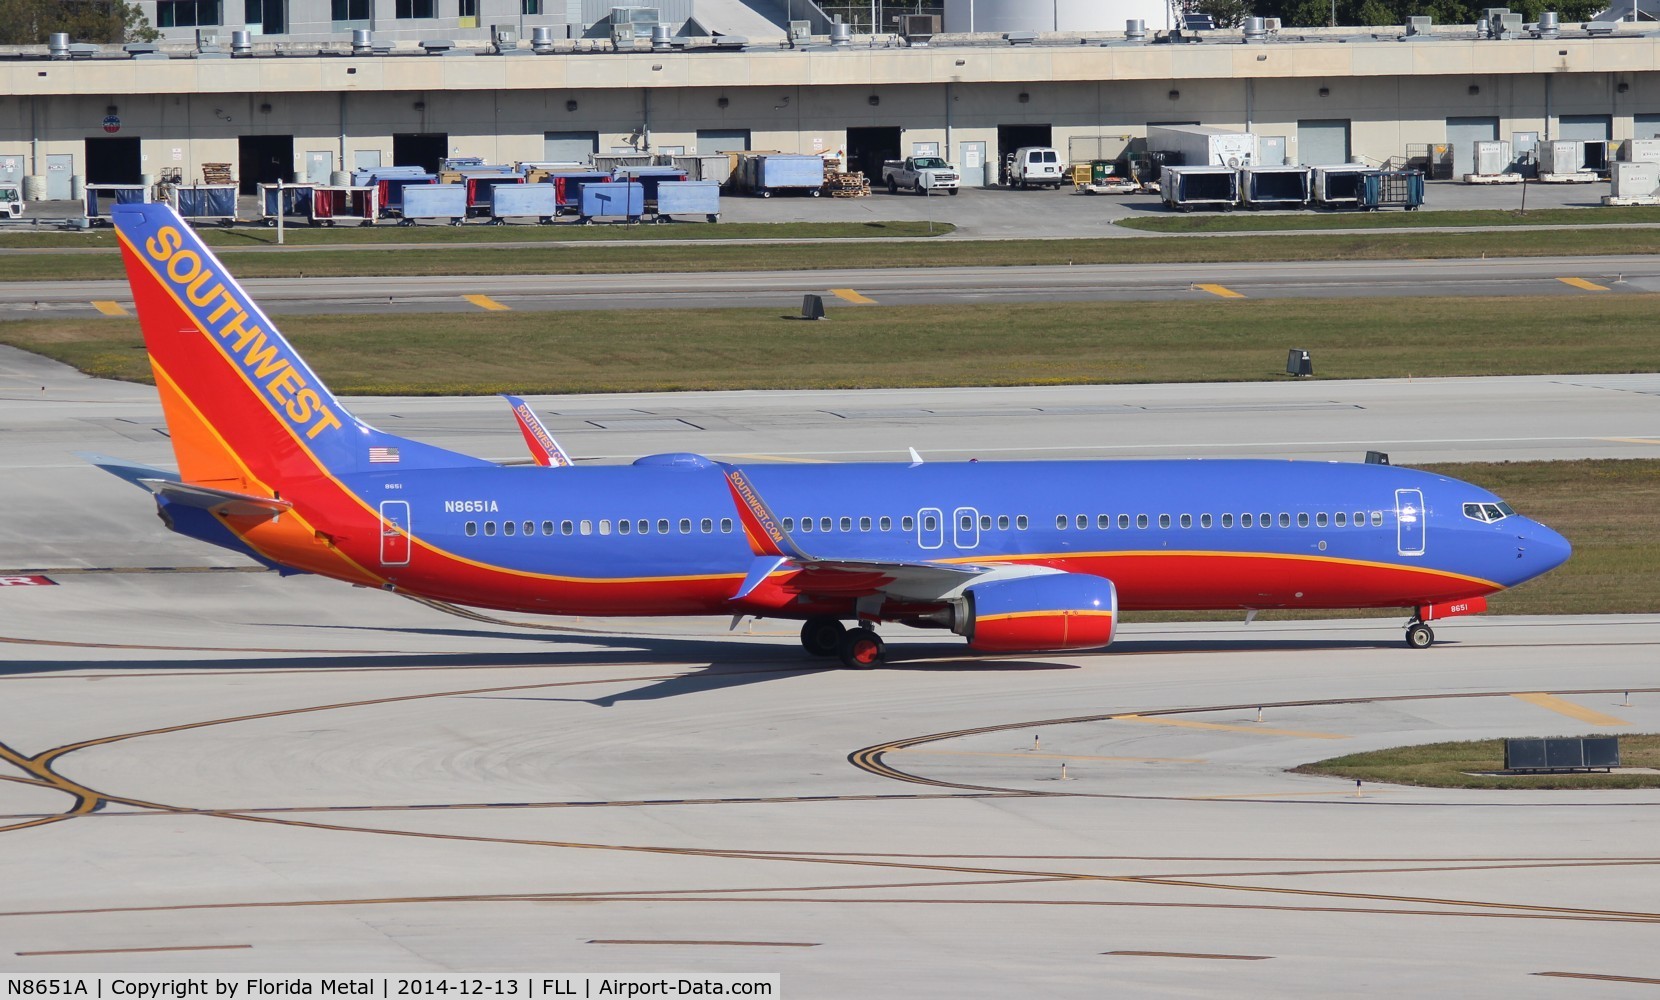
x=1488, y=513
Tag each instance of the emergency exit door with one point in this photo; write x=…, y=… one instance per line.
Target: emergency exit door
x=1409, y=522
x=394, y=532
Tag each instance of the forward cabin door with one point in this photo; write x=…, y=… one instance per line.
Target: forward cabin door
x=394, y=532
x=1409, y=522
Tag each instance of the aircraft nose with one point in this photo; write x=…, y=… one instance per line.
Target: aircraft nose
x=1542, y=548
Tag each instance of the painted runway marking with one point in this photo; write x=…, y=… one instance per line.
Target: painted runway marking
x=1344, y=793
x=1222, y=291
x=486, y=302
x=849, y=295
x=109, y=308
x=1589, y=286
x=135, y=951
x=1568, y=708
x=1633, y=440
x=1190, y=954
x=1057, y=756
x=1258, y=730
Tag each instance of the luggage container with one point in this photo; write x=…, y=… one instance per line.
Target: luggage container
x=1274, y=187
x=523, y=201
x=649, y=178
x=613, y=199
x=767, y=174
x=1561, y=156
x=568, y=187
x=688, y=198
x=1382, y=188
x=434, y=201
x=1640, y=151
x=291, y=201
x=1634, y=182
x=100, y=198
x=369, y=175
x=1187, y=188
x=715, y=167
x=335, y=203
x=390, y=190
x=1339, y=185
x=205, y=202
x=611, y=163
x=479, y=187
x=1493, y=159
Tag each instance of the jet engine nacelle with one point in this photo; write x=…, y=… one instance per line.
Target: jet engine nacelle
x=1054, y=611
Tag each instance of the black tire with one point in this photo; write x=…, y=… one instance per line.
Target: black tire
x=893, y=187
x=921, y=190
x=1419, y=636
x=822, y=636
x=861, y=649
x=817, y=192
x=953, y=191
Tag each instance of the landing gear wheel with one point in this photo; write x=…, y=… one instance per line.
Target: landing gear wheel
x=822, y=636
x=861, y=649
x=1419, y=635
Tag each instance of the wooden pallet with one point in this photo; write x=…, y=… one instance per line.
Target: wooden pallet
x=846, y=185
x=217, y=173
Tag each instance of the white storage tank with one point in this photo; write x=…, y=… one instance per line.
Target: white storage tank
x=1059, y=15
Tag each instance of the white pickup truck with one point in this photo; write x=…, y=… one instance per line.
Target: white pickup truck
x=922, y=174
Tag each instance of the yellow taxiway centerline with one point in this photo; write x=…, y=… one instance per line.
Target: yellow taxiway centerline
x=108, y=308
x=850, y=295
x=1051, y=756
x=1589, y=286
x=486, y=302
x=1220, y=290
x=1258, y=730
x=1568, y=708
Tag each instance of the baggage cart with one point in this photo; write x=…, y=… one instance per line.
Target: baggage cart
x=446, y=202
x=523, y=201
x=1187, y=188
x=688, y=198
x=100, y=198
x=390, y=188
x=204, y=202
x=613, y=199
x=1383, y=188
x=1275, y=187
x=1339, y=185
x=479, y=187
x=767, y=174
x=337, y=203
x=649, y=178
x=568, y=187
x=294, y=203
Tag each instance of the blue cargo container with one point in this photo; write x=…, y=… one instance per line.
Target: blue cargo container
x=295, y=203
x=781, y=172
x=434, y=201
x=535, y=201
x=369, y=175
x=688, y=198
x=569, y=186
x=206, y=201
x=1392, y=187
x=100, y=198
x=650, y=177
x=617, y=199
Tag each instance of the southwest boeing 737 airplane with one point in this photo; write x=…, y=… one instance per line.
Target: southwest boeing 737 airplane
x=1013, y=556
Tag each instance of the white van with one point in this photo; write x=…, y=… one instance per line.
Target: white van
x=1035, y=166
x=11, y=202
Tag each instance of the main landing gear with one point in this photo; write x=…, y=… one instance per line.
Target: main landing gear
x=1419, y=635
x=860, y=648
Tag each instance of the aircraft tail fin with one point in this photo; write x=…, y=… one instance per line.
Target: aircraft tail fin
x=543, y=448
x=245, y=412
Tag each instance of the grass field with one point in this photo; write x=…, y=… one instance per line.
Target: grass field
x=1450, y=765
x=1239, y=222
x=882, y=346
x=725, y=255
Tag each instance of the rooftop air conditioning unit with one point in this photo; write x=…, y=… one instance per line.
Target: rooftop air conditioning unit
x=801, y=31
x=1271, y=24
x=919, y=27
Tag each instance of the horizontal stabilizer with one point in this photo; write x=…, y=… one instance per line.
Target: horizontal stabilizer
x=132, y=472
x=760, y=568
x=224, y=501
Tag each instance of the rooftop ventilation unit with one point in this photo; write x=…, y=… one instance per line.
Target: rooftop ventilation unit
x=1255, y=29
x=800, y=32
x=629, y=23
x=1020, y=37
x=437, y=46
x=1135, y=30
x=1198, y=22
x=57, y=45
x=242, y=44
x=1548, y=26
x=919, y=28
x=841, y=34
x=541, y=40
x=1419, y=24
x=363, y=42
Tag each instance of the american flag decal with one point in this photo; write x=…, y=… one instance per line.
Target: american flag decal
x=378, y=455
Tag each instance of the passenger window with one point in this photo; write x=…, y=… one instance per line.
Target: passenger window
x=643, y=526
x=1320, y=519
x=471, y=528
x=1302, y=519
x=907, y=523
x=1245, y=521
x=985, y=522
x=1187, y=520
x=1377, y=518
x=930, y=523
x=965, y=523
x=565, y=528
x=1082, y=521
x=489, y=527
x=706, y=526
x=864, y=524
x=1002, y=522
x=1204, y=520
x=1103, y=521
x=789, y=524
x=847, y=524
x=662, y=526
x=530, y=527
x=1020, y=522
x=1360, y=519
x=508, y=527
x=625, y=526
x=807, y=525
x=604, y=526
x=1285, y=520
x=1123, y=520
x=1265, y=521
x=1340, y=519
x=726, y=526
x=685, y=526
x=1060, y=521
x=1164, y=520
x=587, y=527
x=547, y=527
x=1141, y=520
x=1049, y=157
x=886, y=523
x=824, y=524
x=1227, y=520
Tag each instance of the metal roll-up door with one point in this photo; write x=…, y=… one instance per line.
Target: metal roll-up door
x=1463, y=134
x=1645, y=126
x=1323, y=141
x=569, y=147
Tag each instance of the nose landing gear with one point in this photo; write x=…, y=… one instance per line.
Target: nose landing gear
x=1419, y=635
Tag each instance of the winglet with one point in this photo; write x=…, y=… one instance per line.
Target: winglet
x=916, y=459
x=766, y=533
x=543, y=448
